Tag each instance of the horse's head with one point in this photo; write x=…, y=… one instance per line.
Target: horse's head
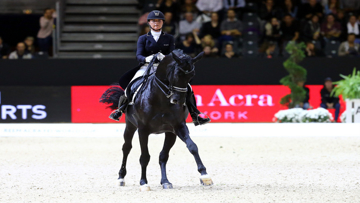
x=179, y=73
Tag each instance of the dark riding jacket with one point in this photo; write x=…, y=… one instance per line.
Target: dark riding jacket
x=147, y=46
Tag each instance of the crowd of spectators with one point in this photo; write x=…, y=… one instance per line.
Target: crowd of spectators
x=227, y=28
x=26, y=49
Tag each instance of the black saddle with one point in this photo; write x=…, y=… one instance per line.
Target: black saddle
x=133, y=86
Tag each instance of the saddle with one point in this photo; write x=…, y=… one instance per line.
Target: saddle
x=133, y=89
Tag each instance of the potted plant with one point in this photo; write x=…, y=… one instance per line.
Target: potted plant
x=349, y=88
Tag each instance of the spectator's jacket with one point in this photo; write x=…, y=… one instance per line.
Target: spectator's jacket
x=147, y=46
x=14, y=55
x=327, y=98
x=344, y=48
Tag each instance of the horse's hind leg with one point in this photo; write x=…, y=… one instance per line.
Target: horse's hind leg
x=128, y=136
x=183, y=133
x=169, y=142
x=144, y=158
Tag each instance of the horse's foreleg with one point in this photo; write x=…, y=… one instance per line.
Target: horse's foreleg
x=183, y=134
x=144, y=159
x=169, y=142
x=128, y=136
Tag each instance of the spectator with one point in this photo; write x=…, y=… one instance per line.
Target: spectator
x=353, y=27
x=231, y=27
x=236, y=5
x=310, y=9
x=4, y=50
x=44, y=34
x=330, y=29
x=189, y=7
x=350, y=5
x=211, y=28
x=332, y=7
x=209, y=41
x=29, y=45
x=169, y=26
x=340, y=18
x=290, y=8
x=208, y=53
x=188, y=25
x=209, y=6
x=229, y=52
x=272, y=30
x=189, y=45
x=349, y=47
x=311, y=51
x=328, y=101
x=305, y=103
x=20, y=52
x=289, y=29
x=172, y=7
x=268, y=10
x=311, y=29
x=270, y=50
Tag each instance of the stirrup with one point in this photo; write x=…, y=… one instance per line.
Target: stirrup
x=197, y=120
x=116, y=115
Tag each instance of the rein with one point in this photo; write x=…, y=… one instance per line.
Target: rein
x=169, y=88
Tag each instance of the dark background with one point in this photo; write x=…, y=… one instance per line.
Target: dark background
x=56, y=99
x=68, y=72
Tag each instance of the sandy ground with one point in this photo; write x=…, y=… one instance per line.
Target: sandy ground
x=244, y=169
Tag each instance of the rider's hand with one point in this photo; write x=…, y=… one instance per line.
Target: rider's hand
x=160, y=56
x=148, y=59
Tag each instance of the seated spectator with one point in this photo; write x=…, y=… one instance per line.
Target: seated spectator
x=189, y=45
x=268, y=10
x=231, y=27
x=229, y=52
x=350, y=5
x=209, y=6
x=46, y=28
x=353, y=27
x=189, y=7
x=272, y=30
x=290, y=8
x=270, y=50
x=330, y=29
x=304, y=104
x=311, y=29
x=188, y=25
x=289, y=29
x=172, y=7
x=310, y=9
x=208, y=53
x=328, y=101
x=169, y=26
x=20, y=52
x=29, y=45
x=349, y=47
x=332, y=7
x=311, y=51
x=211, y=28
x=236, y=5
x=210, y=42
x=4, y=50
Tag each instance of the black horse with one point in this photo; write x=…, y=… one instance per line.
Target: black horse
x=160, y=107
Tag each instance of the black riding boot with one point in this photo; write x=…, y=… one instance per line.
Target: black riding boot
x=194, y=112
x=123, y=103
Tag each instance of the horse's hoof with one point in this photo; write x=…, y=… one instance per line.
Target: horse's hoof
x=206, y=180
x=121, y=182
x=144, y=188
x=167, y=186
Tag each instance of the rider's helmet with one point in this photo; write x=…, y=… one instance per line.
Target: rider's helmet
x=155, y=14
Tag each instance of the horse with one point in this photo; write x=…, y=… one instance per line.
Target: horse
x=159, y=107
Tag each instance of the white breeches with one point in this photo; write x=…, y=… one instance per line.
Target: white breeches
x=142, y=71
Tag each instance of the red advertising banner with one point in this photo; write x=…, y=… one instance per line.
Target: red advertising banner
x=222, y=103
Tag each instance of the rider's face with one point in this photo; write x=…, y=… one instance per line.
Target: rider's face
x=156, y=24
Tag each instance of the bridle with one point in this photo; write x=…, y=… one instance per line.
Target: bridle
x=171, y=88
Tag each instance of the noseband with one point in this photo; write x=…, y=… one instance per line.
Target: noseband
x=171, y=88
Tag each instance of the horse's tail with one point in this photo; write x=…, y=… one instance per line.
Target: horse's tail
x=111, y=96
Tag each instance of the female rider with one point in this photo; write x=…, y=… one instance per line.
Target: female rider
x=149, y=44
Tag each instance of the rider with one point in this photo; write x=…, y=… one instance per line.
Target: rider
x=149, y=44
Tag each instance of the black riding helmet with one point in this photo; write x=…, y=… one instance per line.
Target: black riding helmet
x=155, y=14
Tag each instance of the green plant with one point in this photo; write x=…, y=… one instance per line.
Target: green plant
x=349, y=87
x=296, y=74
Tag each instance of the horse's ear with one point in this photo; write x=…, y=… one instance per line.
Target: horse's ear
x=198, y=57
x=176, y=58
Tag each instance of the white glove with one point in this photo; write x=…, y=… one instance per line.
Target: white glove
x=160, y=56
x=148, y=59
